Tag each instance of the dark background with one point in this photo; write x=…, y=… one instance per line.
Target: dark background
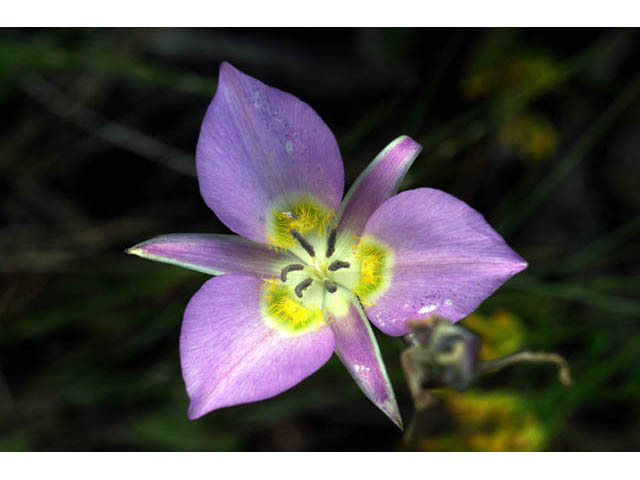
x=537, y=129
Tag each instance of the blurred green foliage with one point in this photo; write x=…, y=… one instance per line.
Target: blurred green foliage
x=537, y=129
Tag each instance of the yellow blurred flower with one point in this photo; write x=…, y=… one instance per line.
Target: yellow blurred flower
x=532, y=136
x=525, y=73
x=501, y=333
x=495, y=421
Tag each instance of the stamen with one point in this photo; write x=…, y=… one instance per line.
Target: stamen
x=289, y=268
x=330, y=286
x=338, y=264
x=302, y=285
x=331, y=246
x=301, y=240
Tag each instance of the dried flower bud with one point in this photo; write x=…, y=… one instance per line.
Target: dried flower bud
x=442, y=354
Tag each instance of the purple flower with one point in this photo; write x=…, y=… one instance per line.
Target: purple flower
x=308, y=271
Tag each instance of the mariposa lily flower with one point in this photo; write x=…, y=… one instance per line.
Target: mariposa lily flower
x=307, y=271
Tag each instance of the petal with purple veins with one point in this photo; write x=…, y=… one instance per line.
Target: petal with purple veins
x=446, y=259
x=213, y=254
x=229, y=353
x=258, y=146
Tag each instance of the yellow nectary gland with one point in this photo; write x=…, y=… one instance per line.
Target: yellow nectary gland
x=373, y=261
x=304, y=217
x=287, y=314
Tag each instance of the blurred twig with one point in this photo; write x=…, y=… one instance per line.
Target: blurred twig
x=110, y=131
x=526, y=356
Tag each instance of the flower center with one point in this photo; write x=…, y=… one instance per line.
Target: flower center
x=319, y=268
x=329, y=268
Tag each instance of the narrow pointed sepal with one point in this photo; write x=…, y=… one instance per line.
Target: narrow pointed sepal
x=357, y=348
x=378, y=182
x=213, y=254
